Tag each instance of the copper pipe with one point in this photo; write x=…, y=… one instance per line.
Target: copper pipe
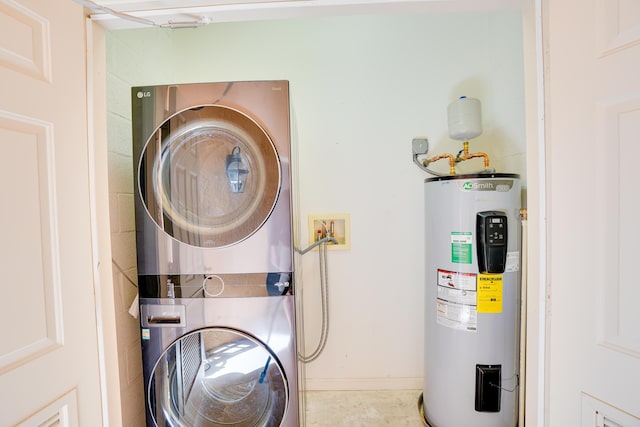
x=452, y=161
x=475, y=155
x=467, y=156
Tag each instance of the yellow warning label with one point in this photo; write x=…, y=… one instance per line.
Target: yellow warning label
x=489, y=293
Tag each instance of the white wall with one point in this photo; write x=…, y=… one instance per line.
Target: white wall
x=361, y=88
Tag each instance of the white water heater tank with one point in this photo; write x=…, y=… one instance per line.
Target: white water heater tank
x=472, y=313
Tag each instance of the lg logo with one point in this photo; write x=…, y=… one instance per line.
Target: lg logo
x=142, y=94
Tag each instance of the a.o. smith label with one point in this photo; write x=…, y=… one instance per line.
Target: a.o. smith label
x=501, y=185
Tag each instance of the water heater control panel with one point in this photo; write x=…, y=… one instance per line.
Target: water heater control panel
x=491, y=234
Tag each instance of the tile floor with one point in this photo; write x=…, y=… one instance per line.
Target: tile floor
x=395, y=408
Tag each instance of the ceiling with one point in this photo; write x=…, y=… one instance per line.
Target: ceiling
x=121, y=14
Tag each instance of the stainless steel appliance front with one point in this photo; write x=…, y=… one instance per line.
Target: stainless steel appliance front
x=212, y=180
x=215, y=254
x=213, y=372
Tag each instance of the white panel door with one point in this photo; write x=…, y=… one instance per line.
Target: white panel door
x=49, y=371
x=593, y=154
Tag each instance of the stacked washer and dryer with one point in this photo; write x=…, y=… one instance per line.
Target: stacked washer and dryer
x=215, y=254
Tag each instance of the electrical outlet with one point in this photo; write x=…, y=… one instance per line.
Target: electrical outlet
x=420, y=145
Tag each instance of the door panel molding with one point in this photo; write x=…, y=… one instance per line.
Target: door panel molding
x=62, y=412
x=618, y=123
x=598, y=413
x=618, y=26
x=33, y=284
x=29, y=50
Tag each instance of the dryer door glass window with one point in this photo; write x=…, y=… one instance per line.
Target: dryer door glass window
x=209, y=176
x=217, y=377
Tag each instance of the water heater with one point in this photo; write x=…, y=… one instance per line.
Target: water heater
x=472, y=313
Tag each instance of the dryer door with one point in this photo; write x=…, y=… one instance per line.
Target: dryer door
x=217, y=377
x=209, y=176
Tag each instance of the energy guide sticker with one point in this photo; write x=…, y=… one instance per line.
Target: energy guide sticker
x=490, y=293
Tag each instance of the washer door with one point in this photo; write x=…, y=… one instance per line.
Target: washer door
x=209, y=176
x=217, y=377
